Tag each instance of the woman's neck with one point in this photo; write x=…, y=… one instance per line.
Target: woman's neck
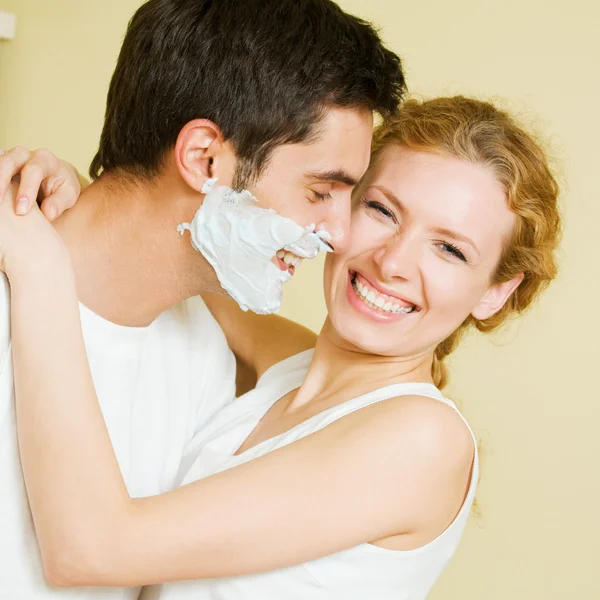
x=337, y=366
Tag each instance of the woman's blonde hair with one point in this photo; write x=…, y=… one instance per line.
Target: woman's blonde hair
x=478, y=132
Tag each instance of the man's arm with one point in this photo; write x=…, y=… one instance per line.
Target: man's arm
x=258, y=341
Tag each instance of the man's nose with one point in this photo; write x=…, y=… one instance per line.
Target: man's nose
x=337, y=224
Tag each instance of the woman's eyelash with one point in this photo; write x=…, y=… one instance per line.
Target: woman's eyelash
x=379, y=208
x=322, y=197
x=451, y=249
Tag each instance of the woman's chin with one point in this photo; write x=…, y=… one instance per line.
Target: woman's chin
x=355, y=336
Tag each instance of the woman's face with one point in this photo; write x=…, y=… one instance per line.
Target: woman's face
x=427, y=233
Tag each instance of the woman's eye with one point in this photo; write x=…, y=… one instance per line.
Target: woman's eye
x=380, y=208
x=321, y=197
x=453, y=250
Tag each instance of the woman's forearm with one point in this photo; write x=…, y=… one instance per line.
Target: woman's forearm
x=298, y=504
x=73, y=480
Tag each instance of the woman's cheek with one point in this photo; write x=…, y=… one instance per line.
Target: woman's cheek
x=442, y=284
x=368, y=234
x=453, y=293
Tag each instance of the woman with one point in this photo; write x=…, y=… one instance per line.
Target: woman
x=345, y=473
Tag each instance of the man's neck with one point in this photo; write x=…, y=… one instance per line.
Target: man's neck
x=130, y=263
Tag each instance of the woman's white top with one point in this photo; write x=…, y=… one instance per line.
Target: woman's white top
x=362, y=572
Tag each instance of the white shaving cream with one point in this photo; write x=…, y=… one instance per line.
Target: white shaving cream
x=239, y=239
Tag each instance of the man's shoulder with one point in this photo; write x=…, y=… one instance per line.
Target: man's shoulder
x=211, y=361
x=4, y=319
x=195, y=318
x=203, y=336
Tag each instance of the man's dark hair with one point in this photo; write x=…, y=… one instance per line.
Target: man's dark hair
x=264, y=71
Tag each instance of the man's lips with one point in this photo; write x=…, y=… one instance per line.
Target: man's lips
x=280, y=264
x=287, y=261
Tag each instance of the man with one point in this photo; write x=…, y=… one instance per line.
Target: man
x=263, y=95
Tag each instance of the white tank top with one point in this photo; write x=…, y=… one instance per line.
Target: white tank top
x=362, y=572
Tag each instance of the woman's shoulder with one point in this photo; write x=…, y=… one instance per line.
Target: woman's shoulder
x=414, y=453
x=422, y=444
x=434, y=426
x=424, y=424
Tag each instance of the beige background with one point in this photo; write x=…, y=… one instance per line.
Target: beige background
x=531, y=393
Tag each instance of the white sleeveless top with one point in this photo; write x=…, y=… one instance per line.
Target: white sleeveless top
x=362, y=572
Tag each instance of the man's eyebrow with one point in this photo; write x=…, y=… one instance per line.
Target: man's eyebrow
x=336, y=175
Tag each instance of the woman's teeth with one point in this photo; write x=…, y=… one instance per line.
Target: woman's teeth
x=379, y=301
x=289, y=259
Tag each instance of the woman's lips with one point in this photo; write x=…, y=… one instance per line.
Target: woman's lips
x=374, y=313
x=389, y=295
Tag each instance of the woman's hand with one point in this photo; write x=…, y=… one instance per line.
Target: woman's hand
x=27, y=244
x=42, y=176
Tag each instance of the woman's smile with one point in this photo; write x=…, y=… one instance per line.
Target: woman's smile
x=371, y=302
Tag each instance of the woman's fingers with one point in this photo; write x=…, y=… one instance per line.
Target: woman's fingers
x=11, y=164
x=41, y=167
x=41, y=175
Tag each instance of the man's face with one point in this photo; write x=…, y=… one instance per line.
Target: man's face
x=312, y=183
x=307, y=189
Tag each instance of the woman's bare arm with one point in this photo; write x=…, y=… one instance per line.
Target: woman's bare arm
x=396, y=468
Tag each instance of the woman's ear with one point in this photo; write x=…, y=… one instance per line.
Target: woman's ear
x=201, y=153
x=495, y=298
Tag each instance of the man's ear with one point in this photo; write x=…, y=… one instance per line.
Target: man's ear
x=201, y=153
x=495, y=298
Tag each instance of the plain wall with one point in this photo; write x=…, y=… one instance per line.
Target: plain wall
x=530, y=393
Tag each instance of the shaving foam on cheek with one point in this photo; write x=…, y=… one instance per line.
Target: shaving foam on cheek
x=239, y=239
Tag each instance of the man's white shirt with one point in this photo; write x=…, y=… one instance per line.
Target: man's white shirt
x=156, y=385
